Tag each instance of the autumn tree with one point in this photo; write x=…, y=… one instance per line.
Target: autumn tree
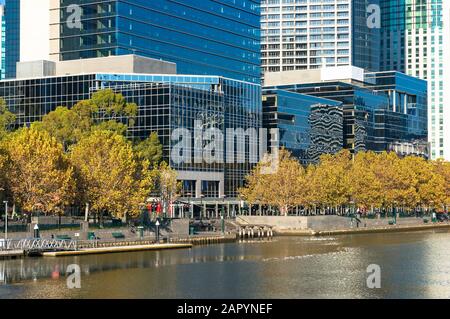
x=284, y=188
x=442, y=168
x=332, y=179
x=365, y=185
x=38, y=174
x=109, y=177
x=167, y=186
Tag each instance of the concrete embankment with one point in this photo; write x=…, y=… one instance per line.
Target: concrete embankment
x=110, y=250
x=335, y=225
x=387, y=229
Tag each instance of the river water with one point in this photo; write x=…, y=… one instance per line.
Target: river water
x=413, y=265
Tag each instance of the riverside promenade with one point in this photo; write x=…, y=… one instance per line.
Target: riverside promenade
x=336, y=225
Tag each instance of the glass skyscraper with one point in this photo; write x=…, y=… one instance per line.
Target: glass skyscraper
x=2, y=41
x=202, y=37
x=385, y=112
x=311, y=34
x=12, y=36
x=165, y=103
x=415, y=36
x=308, y=126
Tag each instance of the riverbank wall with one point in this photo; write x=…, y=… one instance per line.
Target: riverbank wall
x=336, y=225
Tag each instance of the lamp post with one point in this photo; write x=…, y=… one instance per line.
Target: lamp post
x=203, y=208
x=157, y=230
x=222, y=217
x=6, y=218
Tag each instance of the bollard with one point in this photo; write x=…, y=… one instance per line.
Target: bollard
x=36, y=231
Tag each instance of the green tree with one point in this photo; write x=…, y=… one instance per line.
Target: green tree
x=38, y=174
x=105, y=110
x=106, y=105
x=109, y=176
x=150, y=149
x=7, y=118
x=62, y=124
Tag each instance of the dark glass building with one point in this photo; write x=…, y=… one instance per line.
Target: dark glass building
x=308, y=126
x=205, y=37
x=166, y=103
x=387, y=111
x=12, y=36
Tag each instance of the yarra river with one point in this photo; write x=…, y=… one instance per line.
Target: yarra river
x=413, y=265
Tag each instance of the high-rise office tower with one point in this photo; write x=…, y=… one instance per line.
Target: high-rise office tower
x=412, y=36
x=27, y=32
x=202, y=37
x=2, y=41
x=415, y=40
x=310, y=34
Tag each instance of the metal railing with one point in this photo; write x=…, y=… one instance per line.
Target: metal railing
x=37, y=245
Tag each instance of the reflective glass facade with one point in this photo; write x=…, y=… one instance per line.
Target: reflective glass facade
x=12, y=36
x=308, y=126
x=203, y=37
x=166, y=103
x=415, y=34
x=311, y=34
x=2, y=41
x=386, y=112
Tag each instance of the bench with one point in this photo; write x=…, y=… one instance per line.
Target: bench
x=63, y=237
x=118, y=236
x=92, y=236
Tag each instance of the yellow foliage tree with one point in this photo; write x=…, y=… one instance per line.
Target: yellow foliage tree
x=167, y=186
x=109, y=177
x=283, y=189
x=38, y=174
x=442, y=168
x=332, y=179
x=365, y=186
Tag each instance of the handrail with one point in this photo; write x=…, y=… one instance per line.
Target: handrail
x=37, y=244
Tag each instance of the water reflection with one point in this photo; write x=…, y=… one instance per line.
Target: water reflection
x=413, y=265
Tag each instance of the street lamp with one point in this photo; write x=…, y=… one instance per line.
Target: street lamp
x=157, y=231
x=203, y=208
x=6, y=218
x=222, y=217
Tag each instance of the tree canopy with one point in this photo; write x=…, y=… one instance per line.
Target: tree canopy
x=367, y=180
x=37, y=172
x=109, y=175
